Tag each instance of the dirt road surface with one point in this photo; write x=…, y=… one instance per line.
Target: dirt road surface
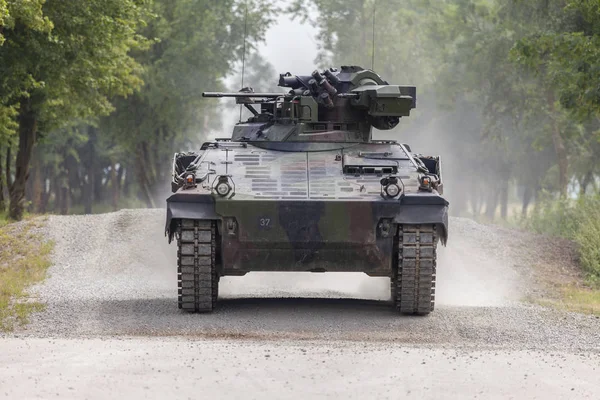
x=111, y=327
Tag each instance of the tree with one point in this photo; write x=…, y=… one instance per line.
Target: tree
x=197, y=44
x=563, y=50
x=64, y=60
x=506, y=87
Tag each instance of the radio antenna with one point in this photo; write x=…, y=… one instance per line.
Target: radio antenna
x=373, y=49
x=244, y=50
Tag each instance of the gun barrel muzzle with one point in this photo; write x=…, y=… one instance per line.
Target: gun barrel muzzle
x=348, y=95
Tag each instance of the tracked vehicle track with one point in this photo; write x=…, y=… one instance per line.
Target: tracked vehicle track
x=413, y=279
x=196, y=272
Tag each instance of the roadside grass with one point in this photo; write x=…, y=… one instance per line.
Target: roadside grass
x=578, y=221
x=577, y=299
x=582, y=300
x=573, y=284
x=24, y=259
x=3, y=219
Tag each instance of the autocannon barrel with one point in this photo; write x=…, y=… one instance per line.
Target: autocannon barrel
x=241, y=94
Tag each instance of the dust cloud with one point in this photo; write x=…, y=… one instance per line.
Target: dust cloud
x=466, y=276
x=474, y=270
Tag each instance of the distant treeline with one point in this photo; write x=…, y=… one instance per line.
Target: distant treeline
x=509, y=90
x=96, y=95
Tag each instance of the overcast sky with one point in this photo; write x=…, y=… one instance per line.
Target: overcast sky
x=290, y=46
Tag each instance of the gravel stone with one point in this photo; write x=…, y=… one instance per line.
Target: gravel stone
x=115, y=275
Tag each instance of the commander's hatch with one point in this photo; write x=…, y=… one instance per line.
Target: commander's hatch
x=373, y=162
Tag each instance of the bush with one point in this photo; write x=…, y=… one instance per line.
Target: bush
x=587, y=236
x=555, y=217
x=578, y=220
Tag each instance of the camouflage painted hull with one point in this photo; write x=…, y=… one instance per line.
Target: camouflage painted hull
x=299, y=211
x=302, y=186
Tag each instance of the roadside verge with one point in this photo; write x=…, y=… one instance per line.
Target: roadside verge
x=24, y=260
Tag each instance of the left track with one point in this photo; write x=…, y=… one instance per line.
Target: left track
x=196, y=272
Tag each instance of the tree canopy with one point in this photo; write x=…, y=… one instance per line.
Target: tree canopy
x=106, y=90
x=96, y=95
x=509, y=89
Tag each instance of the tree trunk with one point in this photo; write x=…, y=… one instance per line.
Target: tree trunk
x=120, y=177
x=559, y=149
x=114, y=186
x=64, y=199
x=144, y=187
x=141, y=171
x=97, y=183
x=474, y=201
x=527, y=195
x=587, y=179
x=74, y=186
x=29, y=186
x=492, y=204
x=561, y=154
x=37, y=186
x=127, y=183
x=27, y=137
x=90, y=164
x=56, y=190
x=504, y=199
x=2, y=199
x=63, y=189
x=8, y=174
x=46, y=192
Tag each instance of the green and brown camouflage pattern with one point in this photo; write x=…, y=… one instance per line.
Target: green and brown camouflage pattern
x=307, y=180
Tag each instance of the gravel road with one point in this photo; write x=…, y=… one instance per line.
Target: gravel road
x=112, y=291
x=216, y=369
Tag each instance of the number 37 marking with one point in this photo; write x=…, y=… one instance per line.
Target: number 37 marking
x=264, y=223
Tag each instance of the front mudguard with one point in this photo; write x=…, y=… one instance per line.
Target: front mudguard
x=424, y=208
x=188, y=206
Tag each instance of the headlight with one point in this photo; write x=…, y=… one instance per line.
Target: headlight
x=223, y=189
x=392, y=190
x=190, y=181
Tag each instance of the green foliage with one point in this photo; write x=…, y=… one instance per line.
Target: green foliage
x=196, y=45
x=511, y=87
x=70, y=56
x=8, y=123
x=3, y=218
x=578, y=220
x=555, y=217
x=3, y=15
x=587, y=236
x=29, y=14
x=567, y=53
x=26, y=12
x=114, y=88
x=514, y=82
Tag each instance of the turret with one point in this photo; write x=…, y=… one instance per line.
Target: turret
x=334, y=105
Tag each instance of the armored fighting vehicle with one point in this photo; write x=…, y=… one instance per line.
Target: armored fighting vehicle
x=303, y=186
